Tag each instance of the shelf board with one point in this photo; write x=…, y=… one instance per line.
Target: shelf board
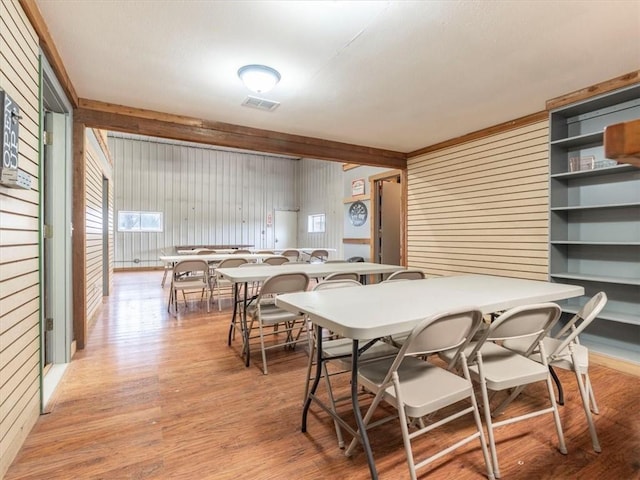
x=596, y=278
x=579, y=140
x=604, y=244
x=573, y=307
x=594, y=207
x=595, y=172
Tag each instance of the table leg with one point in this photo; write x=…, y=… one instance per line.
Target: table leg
x=245, y=331
x=316, y=380
x=362, y=429
x=235, y=311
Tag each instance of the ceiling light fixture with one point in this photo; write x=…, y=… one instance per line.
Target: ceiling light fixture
x=259, y=78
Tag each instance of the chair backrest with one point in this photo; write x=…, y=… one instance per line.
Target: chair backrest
x=275, y=260
x=242, y=251
x=284, y=283
x=328, y=284
x=292, y=255
x=579, y=322
x=445, y=331
x=409, y=274
x=232, y=262
x=266, y=252
x=355, y=259
x=343, y=276
x=531, y=322
x=319, y=255
x=205, y=251
x=190, y=266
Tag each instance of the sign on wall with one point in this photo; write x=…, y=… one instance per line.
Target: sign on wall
x=10, y=124
x=357, y=187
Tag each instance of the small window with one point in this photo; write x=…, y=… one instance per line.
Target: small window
x=316, y=223
x=140, y=222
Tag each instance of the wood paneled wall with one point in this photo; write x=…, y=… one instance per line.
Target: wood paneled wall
x=319, y=185
x=97, y=169
x=19, y=242
x=207, y=196
x=482, y=206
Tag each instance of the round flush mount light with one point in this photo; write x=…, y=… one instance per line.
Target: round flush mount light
x=259, y=78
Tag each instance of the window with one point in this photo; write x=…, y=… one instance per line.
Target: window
x=140, y=222
x=316, y=223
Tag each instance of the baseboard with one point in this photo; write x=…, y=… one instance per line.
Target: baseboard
x=618, y=364
x=136, y=269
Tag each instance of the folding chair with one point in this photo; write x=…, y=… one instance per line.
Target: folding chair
x=565, y=351
x=417, y=388
x=189, y=275
x=496, y=368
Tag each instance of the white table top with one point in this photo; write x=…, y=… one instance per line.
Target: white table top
x=214, y=257
x=261, y=273
x=382, y=309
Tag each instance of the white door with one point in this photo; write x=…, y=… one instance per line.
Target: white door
x=285, y=229
x=57, y=242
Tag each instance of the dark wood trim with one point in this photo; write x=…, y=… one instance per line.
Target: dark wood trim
x=356, y=241
x=47, y=45
x=146, y=122
x=79, y=262
x=485, y=132
x=597, y=89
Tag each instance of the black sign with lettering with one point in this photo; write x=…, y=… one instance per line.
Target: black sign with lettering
x=10, y=123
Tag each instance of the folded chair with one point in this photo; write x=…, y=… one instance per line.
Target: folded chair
x=496, y=368
x=417, y=388
x=409, y=274
x=266, y=314
x=565, y=351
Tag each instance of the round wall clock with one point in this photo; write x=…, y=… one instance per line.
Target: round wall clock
x=358, y=213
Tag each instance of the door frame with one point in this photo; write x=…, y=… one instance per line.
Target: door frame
x=53, y=99
x=374, y=181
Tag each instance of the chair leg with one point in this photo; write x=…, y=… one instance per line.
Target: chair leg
x=556, y=416
x=556, y=380
x=584, y=395
x=487, y=418
x=264, y=354
x=404, y=427
x=587, y=383
x=332, y=405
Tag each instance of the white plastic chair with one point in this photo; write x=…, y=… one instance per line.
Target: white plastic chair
x=417, y=388
x=189, y=276
x=266, y=314
x=496, y=368
x=565, y=351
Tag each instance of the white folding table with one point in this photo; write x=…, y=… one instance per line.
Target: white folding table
x=244, y=275
x=383, y=309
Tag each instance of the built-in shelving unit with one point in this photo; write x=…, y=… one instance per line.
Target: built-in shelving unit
x=595, y=218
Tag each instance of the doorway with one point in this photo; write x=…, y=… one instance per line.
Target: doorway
x=387, y=215
x=55, y=251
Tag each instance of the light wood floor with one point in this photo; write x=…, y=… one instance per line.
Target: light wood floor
x=158, y=397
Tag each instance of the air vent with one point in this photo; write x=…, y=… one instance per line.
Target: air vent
x=260, y=103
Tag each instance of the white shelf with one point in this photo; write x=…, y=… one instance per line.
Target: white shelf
x=595, y=172
x=573, y=306
x=579, y=140
x=603, y=244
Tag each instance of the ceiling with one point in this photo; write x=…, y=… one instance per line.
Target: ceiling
x=398, y=75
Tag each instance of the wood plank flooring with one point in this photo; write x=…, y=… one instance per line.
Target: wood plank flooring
x=160, y=397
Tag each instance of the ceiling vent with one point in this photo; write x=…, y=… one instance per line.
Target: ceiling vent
x=260, y=103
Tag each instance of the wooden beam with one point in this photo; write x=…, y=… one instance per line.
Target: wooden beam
x=108, y=116
x=622, y=142
x=79, y=267
x=47, y=45
x=356, y=241
x=597, y=89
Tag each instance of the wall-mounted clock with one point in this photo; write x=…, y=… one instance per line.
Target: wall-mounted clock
x=358, y=214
